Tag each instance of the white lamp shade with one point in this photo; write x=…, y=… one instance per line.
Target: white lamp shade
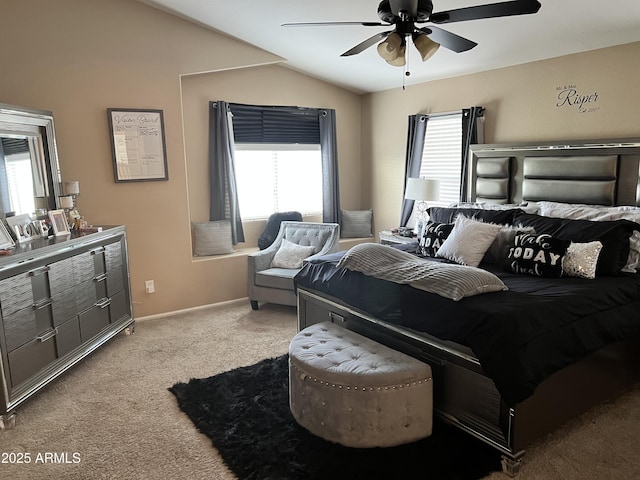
x=422, y=189
x=71, y=188
x=66, y=201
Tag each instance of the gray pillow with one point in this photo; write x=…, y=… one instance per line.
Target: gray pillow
x=355, y=223
x=212, y=238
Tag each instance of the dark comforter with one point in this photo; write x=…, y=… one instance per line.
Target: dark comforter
x=520, y=336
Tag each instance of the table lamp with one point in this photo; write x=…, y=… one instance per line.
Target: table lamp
x=422, y=190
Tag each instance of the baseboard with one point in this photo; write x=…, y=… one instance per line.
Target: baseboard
x=193, y=309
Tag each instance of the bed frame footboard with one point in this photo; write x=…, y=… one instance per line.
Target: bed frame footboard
x=466, y=398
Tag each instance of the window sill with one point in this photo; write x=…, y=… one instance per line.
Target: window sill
x=239, y=252
x=345, y=244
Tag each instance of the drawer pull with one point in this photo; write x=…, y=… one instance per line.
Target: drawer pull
x=39, y=271
x=47, y=336
x=335, y=318
x=42, y=304
x=105, y=302
x=100, y=278
x=96, y=250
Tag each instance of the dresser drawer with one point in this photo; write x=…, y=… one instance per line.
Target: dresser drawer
x=113, y=255
x=94, y=320
x=26, y=324
x=86, y=295
x=61, y=276
x=83, y=267
x=115, y=281
x=119, y=307
x=15, y=294
x=68, y=337
x=29, y=359
x=64, y=306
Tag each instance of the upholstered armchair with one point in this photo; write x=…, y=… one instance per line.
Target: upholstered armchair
x=271, y=271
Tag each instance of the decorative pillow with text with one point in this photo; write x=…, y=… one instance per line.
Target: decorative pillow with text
x=539, y=255
x=432, y=237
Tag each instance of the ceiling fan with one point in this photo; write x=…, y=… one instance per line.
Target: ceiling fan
x=406, y=14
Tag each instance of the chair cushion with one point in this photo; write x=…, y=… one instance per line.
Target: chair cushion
x=276, y=278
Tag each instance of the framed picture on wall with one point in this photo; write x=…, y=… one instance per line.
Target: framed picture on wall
x=137, y=145
x=59, y=222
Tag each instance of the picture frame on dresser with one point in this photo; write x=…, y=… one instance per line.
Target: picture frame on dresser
x=23, y=227
x=59, y=223
x=6, y=240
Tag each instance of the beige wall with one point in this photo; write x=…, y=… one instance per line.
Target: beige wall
x=521, y=105
x=79, y=57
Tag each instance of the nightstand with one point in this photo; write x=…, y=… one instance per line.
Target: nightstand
x=388, y=238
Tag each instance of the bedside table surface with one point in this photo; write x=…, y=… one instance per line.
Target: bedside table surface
x=388, y=238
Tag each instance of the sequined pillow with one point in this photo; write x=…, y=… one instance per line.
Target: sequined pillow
x=581, y=259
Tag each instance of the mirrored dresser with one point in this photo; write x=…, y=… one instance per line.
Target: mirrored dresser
x=61, y=298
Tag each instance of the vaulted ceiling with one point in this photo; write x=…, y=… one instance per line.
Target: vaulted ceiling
x=560, y=27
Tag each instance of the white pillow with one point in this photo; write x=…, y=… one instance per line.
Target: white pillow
x=580, y=211
x=291, y=255
x=581, y=259
x=468, y=241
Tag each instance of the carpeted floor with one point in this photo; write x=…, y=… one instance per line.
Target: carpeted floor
x=115, y=412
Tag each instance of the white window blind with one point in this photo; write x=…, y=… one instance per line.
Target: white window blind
x=278, y=178
x=442, y=155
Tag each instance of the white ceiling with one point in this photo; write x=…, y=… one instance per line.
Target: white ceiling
x=561, y=27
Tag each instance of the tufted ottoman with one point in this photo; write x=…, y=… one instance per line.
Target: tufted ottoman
x=351, y=390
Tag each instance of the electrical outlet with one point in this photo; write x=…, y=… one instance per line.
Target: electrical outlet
x=149, y=287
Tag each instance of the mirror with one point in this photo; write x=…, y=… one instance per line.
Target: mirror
x=29, y=170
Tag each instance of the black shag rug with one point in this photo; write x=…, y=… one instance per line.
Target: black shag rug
x=245, y=413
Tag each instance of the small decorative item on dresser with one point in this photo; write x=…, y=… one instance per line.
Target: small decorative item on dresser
x=23, y=227
x=6, y=241
x=59, y=223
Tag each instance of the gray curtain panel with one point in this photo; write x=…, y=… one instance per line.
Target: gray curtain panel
x=470, y=135
x=330, y=184
x=415, y=146
x=222, y=176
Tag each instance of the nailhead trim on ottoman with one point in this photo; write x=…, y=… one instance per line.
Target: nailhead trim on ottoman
x=351, y=390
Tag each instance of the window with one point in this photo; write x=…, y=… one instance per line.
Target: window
x=442, y=155
x=278, y=178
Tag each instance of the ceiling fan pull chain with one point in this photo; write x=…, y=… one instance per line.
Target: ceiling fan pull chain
x=407, y=72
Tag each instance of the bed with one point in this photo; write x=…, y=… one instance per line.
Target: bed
x=512, y=364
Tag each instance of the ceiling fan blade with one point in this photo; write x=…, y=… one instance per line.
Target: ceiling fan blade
x=448, y=40
x=361, y=47
x=501, y=9
x=331, y=24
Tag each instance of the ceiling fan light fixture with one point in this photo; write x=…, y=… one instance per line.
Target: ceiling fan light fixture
x=389, y=49
x=400, y=59
x=425, y=46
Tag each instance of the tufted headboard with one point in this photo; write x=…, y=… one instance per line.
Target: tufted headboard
x=594, y=172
